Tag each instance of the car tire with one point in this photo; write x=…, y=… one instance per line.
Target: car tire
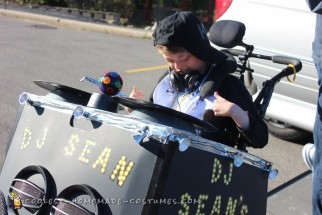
x=287, y=132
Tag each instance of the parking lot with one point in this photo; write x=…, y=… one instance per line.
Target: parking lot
x=32, y=59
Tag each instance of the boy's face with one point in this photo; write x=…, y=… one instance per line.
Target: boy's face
x=183, y=62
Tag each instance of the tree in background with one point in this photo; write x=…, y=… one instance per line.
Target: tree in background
x=144, y=11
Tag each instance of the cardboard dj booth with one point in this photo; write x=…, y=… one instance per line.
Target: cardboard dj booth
x=62, y=164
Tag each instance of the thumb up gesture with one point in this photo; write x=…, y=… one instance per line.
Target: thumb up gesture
x=223, y=107
x=136, y=94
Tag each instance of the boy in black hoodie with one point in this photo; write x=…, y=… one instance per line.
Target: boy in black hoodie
x=198, y=83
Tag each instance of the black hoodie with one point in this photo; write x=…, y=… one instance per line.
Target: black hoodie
x=232, y=89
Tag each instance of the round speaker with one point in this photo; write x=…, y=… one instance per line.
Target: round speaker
x=74, y=199
x=24, y=193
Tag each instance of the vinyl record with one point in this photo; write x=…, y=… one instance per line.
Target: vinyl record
x=51, y=86
x=64, y=92
x=145, y=105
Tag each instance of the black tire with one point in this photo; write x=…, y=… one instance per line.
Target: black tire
x=287, y=132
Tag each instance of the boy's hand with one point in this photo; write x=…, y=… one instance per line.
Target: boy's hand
x=136, y=94
x=222, y=107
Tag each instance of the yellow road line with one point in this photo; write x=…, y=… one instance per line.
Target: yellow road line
x=146, y=69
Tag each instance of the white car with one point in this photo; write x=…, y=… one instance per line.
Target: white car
x=280, y=27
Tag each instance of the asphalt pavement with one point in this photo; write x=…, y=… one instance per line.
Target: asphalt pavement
x=292, y=197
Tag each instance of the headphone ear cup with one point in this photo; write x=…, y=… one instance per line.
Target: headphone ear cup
x=177, y=81
x=191, y=80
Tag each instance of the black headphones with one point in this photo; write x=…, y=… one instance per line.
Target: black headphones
x=190, y=81
x=29, y=195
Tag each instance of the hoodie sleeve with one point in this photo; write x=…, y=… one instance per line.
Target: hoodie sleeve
x=234, y=91
x=257, y=134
